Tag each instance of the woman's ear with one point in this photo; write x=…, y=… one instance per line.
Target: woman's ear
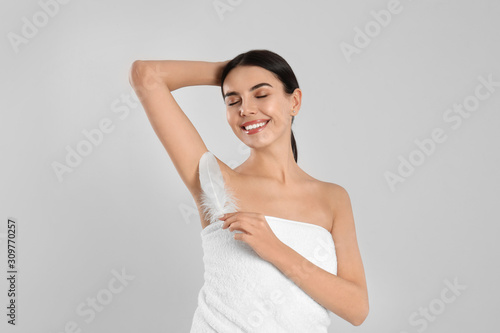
x=296, y=99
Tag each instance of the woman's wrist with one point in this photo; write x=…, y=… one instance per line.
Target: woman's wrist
x=220, y=67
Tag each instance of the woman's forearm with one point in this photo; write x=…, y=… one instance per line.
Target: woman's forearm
x=176, y=74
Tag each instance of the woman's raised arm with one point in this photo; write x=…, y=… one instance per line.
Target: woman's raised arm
x=153, y=81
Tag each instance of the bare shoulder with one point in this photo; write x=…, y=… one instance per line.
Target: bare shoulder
x=340, y=201
x=337, y=192
x=334, y=191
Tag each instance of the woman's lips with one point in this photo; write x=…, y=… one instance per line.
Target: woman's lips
x=255, y=130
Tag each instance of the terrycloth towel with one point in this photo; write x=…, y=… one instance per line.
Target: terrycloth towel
x=244, y=293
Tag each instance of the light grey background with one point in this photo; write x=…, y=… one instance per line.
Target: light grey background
x=125, y=207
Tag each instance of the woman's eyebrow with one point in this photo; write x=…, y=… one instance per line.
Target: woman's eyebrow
x=231, y=93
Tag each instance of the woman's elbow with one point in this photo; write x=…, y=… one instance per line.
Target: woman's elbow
x=135, y=71
x=361, y=315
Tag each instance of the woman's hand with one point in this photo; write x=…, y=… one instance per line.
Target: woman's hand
x=256, y=232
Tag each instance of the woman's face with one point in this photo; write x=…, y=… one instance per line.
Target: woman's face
x=254, y=93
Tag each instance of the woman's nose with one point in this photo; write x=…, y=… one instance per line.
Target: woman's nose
x=246, y=109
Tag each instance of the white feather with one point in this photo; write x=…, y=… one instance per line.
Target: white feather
x=216, y=198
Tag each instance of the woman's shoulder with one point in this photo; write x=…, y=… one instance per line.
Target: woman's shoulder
x=336, y=188
x=335, y=192
x=328, y=186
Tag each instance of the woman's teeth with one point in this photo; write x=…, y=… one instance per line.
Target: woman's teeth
x=255, y=125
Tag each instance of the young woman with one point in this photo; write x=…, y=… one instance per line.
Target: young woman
x=288, y=255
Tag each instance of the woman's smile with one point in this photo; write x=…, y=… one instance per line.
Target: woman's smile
x=255, y=128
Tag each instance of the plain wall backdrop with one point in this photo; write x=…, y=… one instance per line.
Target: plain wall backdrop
x=400, y=106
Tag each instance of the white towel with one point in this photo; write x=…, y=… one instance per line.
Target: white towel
x=244, y=293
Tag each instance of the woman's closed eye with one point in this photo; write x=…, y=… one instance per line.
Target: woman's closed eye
x=230, y=104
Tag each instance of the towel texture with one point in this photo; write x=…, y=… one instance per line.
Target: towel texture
x=244, y=293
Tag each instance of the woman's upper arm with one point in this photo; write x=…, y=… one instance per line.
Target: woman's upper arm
x=178, y=135
x=349, y=263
